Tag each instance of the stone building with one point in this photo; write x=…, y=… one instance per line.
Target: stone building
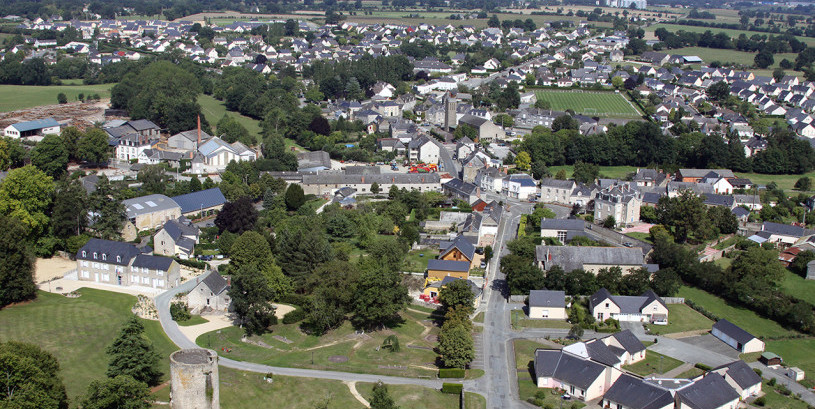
x=194, y=382
x=151, y=211
x=118, y=263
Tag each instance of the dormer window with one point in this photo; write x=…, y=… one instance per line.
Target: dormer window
x=104, y=256
x=84, y=253
x=118, y=259
x=94, y=255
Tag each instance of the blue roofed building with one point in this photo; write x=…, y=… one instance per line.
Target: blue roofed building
x=19, y=130
x=519, y=186
x=204, y=201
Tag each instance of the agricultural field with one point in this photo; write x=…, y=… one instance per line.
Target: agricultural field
x=608, y=104
x=798, y=287
x=649, y=31
x=681, y=319
x=744, y=318
x=342, y=349
x=14, y=97
x=77, y=331
x=785, y=182
x=729, y=56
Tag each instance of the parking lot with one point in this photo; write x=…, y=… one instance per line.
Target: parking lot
x=713, y=344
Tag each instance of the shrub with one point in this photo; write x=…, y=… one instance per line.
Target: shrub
x=451, y=373
x=771, y=382
x=452, y=388
x=179, y=312
x=295, y=316
x=703, y=367
x=757, y=371
x=782, y=389
x=298, y=300
x=760, y=401
x=191, y=263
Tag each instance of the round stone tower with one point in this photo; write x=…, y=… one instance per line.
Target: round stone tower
x=194, y=379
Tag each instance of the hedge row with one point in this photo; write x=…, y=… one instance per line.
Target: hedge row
x=452, y=388
x=451, y=373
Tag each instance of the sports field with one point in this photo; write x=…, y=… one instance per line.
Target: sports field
x=607, y=104
x=14, y=97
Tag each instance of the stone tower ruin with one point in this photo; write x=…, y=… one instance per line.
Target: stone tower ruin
x=194, y=379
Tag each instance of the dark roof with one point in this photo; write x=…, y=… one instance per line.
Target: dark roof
x=448, y=265
x=463, y=245
x=111, y=249
x=600, y=296
x=572, y=258
x=710, y=392
x=191, y=202
x=633, y=393
x=740, y=211
x=785, y=229
x=629, y=341
x=601, y=353
x=563, y=224
x=153, y=262
x=733, y=331
x=461, y=187
x=567, y=368
x=547, y=298
x=215, y=282
x=629, y=304
x=142, y=124
x=741, y=373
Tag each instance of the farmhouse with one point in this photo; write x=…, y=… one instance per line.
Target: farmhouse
x=19, y=130
x=647, y=307
x=736, y=337
x=118, y=263
x=547, y=304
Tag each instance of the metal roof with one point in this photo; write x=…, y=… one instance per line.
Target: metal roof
x=733, y=331
x=203, y=199
x=148, y=204
x=34, y=125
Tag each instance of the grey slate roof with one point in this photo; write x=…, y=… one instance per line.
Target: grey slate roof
x=733, y=331
x=201, y=199
x=633, y=393
x=547, y=298
x=741, y=373
x=215, y=282
x=153, y=262
x=448, y=265
x=572, y=258
x=148, y=204
x=142, y=124
x=785, y=229
x=333, y=178
x=463, y=245
x=710, y=392
x=629, y=341
x=567, y=368
x=601, y=353
x=563, y=224
x=557, y=183
x=629, y=304
x=461, y=187
x=111, y=249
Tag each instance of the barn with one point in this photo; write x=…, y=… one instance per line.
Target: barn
x=736, y=337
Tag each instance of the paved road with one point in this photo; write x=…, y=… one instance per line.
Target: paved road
x=796, y=388
x=676, y=348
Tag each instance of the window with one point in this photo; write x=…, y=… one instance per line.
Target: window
x=104, y=256
x=86, y=274
x=606, y=305
x=84, y=263
x=561, y=236
x=94, y=255
x=105, y=277
x=118, y=259
x=84, y=253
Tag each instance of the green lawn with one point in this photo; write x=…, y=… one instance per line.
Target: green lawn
x=723, y=262
x=474, y=401
x=776, y=400
x=589, y=102
x=519, y=320
x=691, y=373
x=214, y=110
x=364, y=353
x=416, y=260
x=724, y=56
x=610, y=172
x=653, y=363
x=77, y=331
x=14, y=97
x=194, y=320
x=479, y=317
x=525, y=354
x=646, y=237
x=746, y=319
x=798, y=287
x=682, y=318
x=413, y=397
x=796, y=352
x=786, y=182
x=247, y=390
x=545, y=397
x=732, y=33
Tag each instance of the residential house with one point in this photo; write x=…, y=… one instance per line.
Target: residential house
x=556, y=191
x=215, y=154
x=784, y=234
x=423, y=150
x=563, y=229
x=434, y=288
x=634, y=393
x=739, y=339
x=118, y=263
x=176, y=238
x=327, y=183
x=580, y=377
x=647, y=307
x=487, y=131
x=620, y=201
x=211, y=294
x=743, y=379
x=547, y=304
x=591, y=259
x=151, y=211
x=696, y=175
x=710, y=392
x=519, y=186
x=461, y=190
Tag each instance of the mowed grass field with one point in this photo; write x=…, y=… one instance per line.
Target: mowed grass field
x=214, y=110
x=682, y=318
x=732, y=33
x=77, y=331
x=609, y=104
x=14, y=97
x=744, y=318
x=734, y=56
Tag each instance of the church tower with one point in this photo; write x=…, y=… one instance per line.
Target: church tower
x=450, y=105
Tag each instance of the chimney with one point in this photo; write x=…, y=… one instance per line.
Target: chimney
x=363, y=178
x=199, y=130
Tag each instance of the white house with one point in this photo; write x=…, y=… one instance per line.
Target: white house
x=547, y=304
x=741, y=377
x=519, y=186
x=215, y=154
x=736, y=337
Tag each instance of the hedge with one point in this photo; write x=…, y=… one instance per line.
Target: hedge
x=703, y=367
x=451, y=373
x=452, y=388
x=295, y=316
x=294, y=299
x=191, y=263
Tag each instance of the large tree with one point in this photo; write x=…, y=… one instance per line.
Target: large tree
x=252, y=295
x=457, y=294
x=107, y=210
x=93, y=146
x=684, y=215
x=237, y=217
x=69, y=216
x=295, y=196
x=381, y=399
x=301, y=246
x=29, y=378
x=456, y=346
x=16, y=264
x=50, y=156
x=379, y=298
x=120, y=392
x=132, y=354
x=25, y=194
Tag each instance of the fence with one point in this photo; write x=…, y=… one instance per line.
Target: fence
x=673, y=300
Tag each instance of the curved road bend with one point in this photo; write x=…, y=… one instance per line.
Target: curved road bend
x=171, y=329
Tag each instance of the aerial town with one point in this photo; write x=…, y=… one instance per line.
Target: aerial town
x=405, y=204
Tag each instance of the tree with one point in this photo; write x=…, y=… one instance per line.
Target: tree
x=493, y=21
x=300, y=246
x=30, y=378
x=565, y=122
x=617, y=82
x=251, y=248
x=375, y=189
x=456, y=346
x=457, y=294
x=778, y=74
x=120, y=392
x=576, y=331
x=763, y=59
x=132, y=354
x=25, y=195
x=153, y=179
x=504, y=120
x=252, y=296
x=719, y=91
x=379, y=298
x=69, y=214
x=380, y=398
x=684, y=215
x=108, y=210
x=16, y=264
x=523, y=161
x=237, y=217
x=799, y=265
x=803, y=184
x=666, y=282
x=93, y=146
x=50, y=156
x=585, y=172
x=295, y=197
x=232, y=131
x=62, y=98
x=609, y=222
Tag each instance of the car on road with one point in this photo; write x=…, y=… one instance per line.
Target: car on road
x=483, y=265
x=628, y=244
x=205, y=258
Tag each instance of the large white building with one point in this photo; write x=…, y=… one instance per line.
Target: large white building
x=32, y=128
x=215, y=154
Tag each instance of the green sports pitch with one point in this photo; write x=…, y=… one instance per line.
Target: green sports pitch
x=592, y=103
